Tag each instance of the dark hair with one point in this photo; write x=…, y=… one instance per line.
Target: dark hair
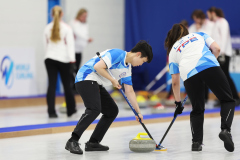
x=185, y=23
x=212, y=9
x=177, y=32
x=198, y=13
x=145, y=48
x=218, y=11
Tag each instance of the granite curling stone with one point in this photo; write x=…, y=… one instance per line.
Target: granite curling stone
x=142, y=145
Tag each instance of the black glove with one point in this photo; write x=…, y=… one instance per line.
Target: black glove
x=179, y=108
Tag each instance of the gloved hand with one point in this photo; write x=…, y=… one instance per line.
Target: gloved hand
x=179, y=108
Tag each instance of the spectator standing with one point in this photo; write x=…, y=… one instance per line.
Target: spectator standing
x=59, y=46
x=81, y=35
x=222, y=36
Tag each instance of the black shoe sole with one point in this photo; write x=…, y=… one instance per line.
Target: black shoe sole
x=53, y=116
x=95, y=149
x=196, y=149
x=72, y=151
x=228, y=144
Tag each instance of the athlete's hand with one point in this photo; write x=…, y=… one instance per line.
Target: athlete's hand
x=116, y=84
x=141, y=117
x=179, y=108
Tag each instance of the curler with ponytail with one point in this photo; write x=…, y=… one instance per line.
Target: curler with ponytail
x=177, y=32
x=56, y=13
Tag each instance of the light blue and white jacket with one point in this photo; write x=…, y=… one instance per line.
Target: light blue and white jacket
x=191, y=55
x=115, y=61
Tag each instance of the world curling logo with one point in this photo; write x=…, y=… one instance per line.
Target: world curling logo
x=7, y=71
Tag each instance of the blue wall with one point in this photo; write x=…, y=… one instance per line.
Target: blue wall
x=151, y=19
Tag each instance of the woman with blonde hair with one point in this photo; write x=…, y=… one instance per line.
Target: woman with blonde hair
x=59, y=46
x=81, y=35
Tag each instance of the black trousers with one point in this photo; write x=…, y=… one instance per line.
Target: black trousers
x=216, y=80
x=74, y=70
x=96, y=100
x=53, y=67
x=225, y=68
x=78, y=57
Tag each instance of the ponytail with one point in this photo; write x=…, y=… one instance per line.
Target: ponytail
x=177, y=32
x=56, y=13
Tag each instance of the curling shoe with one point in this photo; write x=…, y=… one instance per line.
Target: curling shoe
x=73, y=147
x=95, y=147
x=196, y=146
x=226, y=137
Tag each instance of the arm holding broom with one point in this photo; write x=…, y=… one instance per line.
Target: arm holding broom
x=176, y=92
x=101, y=67
x=133, y=100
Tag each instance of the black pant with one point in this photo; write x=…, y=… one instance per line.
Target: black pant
x=78, y=57
x=75, y=68
x=216, y=80
x=53, y=67
x=96, y=100
x=225, y=68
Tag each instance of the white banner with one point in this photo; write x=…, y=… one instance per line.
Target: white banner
x=17, y=72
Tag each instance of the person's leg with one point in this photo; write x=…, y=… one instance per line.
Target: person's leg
x=225, y=68
x=89, y=91
x=206, y=93
x=109, y=110
x=52, y=72
x=65, y=74
x=78, y=57
x=195, y=90
x=218, y=83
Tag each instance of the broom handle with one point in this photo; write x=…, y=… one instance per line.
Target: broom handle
x=172, y=123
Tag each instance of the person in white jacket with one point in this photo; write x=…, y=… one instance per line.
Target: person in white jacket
x=60, y=53
x=201, y=24
x=81, y=34
x=221, y=33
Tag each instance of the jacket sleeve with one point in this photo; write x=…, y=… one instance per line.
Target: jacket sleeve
x=224, y=31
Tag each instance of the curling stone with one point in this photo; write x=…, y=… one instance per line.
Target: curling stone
x=116, y=96
x=142, y=145
x=154, y=100
x=142, y=102
x=63, y=108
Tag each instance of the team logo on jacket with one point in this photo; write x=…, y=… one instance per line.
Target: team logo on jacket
x=122, y=75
